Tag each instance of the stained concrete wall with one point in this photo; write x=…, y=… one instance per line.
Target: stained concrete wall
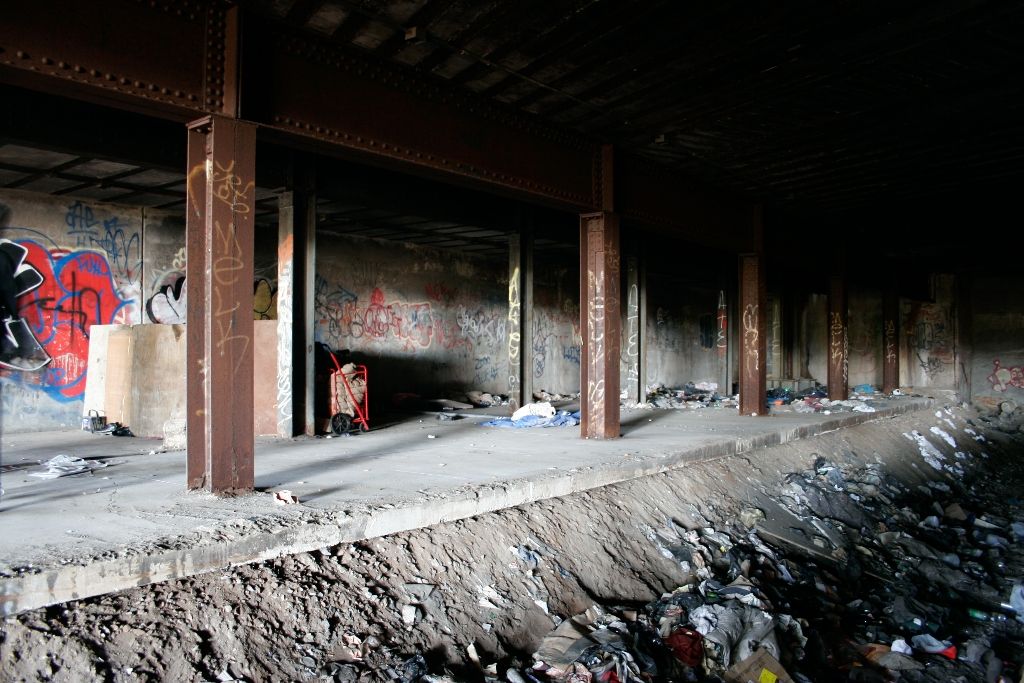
x=682, y=333
x=89, y=255
x=996, y=367
x=815, y=324
x=424, y=321
x=557, y=344
x=865, y=337
x=928, y=344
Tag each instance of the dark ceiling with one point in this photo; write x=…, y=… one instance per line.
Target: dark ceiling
x=817, y=107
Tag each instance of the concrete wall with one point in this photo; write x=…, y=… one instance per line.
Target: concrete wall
x=89, y=255
x=164, y=266
x=165, y=292
x=997, y=325
x=557, y=344
x=865, y=337
x=815, y=325
x=677, y=351
x=928, y=348
x=137, y=376
x=101, y=264
x=424, y=321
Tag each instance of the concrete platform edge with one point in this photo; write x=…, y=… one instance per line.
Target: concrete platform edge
x=75, y=582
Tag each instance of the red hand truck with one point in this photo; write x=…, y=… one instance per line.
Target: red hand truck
x=350, y=397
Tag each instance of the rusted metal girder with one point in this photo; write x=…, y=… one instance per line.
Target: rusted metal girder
x=219, y=273
x=153, y=57
x=890, y=341
x=753, y=343
x=317, y=89
x=838, y=340
x=600, y=324
x=180, y=60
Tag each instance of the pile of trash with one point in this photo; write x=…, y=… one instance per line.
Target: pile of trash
x=691, y=395
x=813, y=400
x=893, y=583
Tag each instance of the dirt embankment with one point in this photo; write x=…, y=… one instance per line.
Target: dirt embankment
x=499, y=582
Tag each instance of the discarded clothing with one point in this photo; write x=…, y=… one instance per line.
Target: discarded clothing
x=562, y=418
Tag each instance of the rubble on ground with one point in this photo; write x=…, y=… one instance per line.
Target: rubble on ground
x=845, y=557
x=690, y=396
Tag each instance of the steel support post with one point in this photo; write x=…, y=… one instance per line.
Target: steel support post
x=295, y=249
x=219, y=271
x=635, y=389
x=600, y=324
x=520, y=315
x=753, y=343
x=838, y=340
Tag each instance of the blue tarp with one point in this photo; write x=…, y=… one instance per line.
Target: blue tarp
x=562, y=418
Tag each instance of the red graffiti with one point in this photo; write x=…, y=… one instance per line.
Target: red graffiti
x=1005, y=378
x=77, y=292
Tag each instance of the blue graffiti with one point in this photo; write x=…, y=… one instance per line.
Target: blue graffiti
x=81, y=223
x=118, y=246
x=572, y=354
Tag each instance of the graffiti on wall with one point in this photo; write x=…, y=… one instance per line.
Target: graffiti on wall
x=1003, y=378
x=930, y=335
x=21, y=349
x=633, y=337
x=752, y=352
x=722, y=325
x=410, y=325
x=77, y=289
x=839, y=346
x=168, y=304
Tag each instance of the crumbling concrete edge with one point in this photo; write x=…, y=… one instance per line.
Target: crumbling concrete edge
x=76, y=582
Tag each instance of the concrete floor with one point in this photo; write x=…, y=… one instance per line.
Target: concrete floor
x=132, y=522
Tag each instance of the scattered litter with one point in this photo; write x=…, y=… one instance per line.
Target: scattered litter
x=285, y=497
x=65, y=465
x=691, y=396
x=542, y=410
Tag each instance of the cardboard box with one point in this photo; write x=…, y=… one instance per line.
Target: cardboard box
x=759, y=667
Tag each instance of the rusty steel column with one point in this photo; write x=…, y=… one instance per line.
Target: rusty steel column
x=838, y=340
x=753, y=343
x=600, y=324
x=219, y=234
x=890, y=341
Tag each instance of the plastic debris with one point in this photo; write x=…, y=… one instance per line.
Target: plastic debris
x=285, y=497
x=64, y=465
